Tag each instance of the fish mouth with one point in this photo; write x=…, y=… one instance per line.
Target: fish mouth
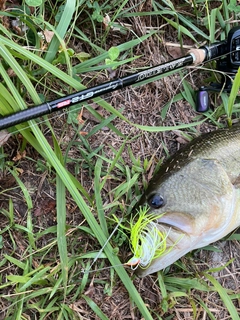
x=178, y=221
x=177, y=245
x=182, y=236
x=175, y=236
x=182, y=233
x=173, y=228
x=180, y=239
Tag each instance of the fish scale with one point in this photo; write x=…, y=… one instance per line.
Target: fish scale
x=200, y=196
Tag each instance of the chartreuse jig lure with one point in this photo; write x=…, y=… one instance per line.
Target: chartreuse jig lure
x=146, y=240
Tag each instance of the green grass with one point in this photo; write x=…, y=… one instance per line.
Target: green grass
x=46, y=272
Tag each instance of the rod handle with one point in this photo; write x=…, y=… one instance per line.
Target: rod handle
x=199, y=56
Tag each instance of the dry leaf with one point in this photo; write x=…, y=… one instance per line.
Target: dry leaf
x=106, y=21
x=83, y=133
x=11, y=73
x=48, y=35
x=7, y=182
x=19, y=156
x=2, y=5
x=175, y=51
x=79, y=117
x=87, y=114
x=19, y=170
x=4, y=136
x=45, y=207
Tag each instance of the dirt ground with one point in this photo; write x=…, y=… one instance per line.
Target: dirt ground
x=142, y=105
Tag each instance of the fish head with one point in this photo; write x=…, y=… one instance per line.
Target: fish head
x=193, y=204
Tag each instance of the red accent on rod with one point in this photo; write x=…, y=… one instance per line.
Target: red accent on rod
x=63, y=103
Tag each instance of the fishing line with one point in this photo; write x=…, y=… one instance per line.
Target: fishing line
x=100, y=252
x=105, y=268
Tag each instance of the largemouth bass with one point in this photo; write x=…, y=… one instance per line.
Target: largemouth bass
x=198, y=192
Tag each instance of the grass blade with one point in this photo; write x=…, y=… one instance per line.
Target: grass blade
x=97, y=191
x=95, y=308
x=209, y=313
x=45, y=149
x=233, y=95
x=61, y=29
x=61, y=229
x=224, y=296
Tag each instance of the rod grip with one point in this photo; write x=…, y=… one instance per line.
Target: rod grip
x=24, y=115
x=198, y=55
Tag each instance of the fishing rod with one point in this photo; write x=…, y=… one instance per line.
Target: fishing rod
x=231, y=47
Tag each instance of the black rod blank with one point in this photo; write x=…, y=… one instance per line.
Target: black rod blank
x=195, y=56
x=86, y=94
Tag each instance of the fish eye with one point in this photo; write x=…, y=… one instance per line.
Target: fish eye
x=156, y=201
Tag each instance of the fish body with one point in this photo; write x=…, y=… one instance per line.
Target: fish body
x=197, y=191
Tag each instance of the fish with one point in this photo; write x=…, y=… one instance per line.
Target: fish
x=195, y=196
